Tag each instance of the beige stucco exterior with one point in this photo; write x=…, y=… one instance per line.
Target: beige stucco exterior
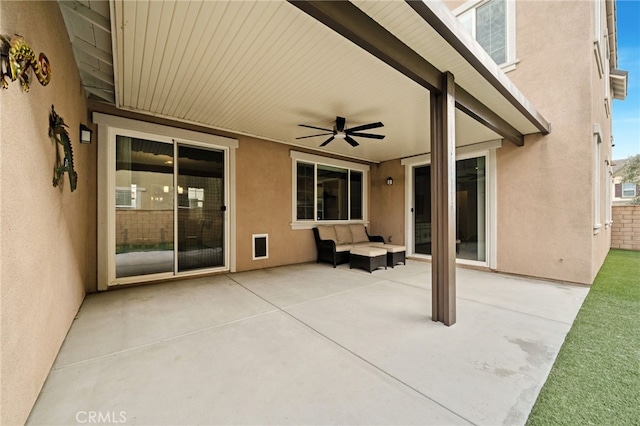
x=545, y=227
x=47, y=241
x=264, y=206
x=536, y=182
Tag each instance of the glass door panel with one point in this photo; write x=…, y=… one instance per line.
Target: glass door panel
x=144, y=207
x=470, y=202
x=201, y=209
x=470, y=209
x=422, y=209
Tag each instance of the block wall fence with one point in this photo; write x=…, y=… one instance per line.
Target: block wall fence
x=625, y=231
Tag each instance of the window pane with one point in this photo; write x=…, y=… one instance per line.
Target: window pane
x=355, y=182
x=332, y=193
x=470, y=206
x=628, y=190
x=491, y=29
x=470, y=209
x=200, y=208
x=144, y=207
x=422, y=209
x=304, y=196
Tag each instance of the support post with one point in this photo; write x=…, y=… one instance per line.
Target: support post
x=443, y=203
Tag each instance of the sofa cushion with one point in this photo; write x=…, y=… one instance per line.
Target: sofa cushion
x=358, y=233
x=343, y=232
x=327, y=232
x=345, y=247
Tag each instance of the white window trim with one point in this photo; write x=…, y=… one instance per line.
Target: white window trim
x=597, y=138
x=607, y=193
x=304, y=157
x=511, y=60
x=486, y=149
x=108, y=127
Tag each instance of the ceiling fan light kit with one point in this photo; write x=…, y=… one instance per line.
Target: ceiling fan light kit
x=340, y=131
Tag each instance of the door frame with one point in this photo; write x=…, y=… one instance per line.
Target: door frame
x=484, y=149
x=108, y=127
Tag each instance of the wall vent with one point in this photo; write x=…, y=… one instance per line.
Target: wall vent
x=260, y=246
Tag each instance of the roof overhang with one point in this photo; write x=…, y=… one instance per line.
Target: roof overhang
x=261, y=68
x=619, y=83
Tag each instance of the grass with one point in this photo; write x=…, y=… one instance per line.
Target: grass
x=596, y=377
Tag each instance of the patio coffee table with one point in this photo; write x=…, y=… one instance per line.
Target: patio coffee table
x=368, y=258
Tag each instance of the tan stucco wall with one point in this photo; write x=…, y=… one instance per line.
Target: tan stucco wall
x=545, y=189
x=387, y=202
x=47, y=234
x=263, y=194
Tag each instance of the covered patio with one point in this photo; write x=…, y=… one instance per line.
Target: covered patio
x=309, y=344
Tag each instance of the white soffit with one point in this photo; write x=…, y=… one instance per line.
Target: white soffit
x=261, y=68
x=88, y=26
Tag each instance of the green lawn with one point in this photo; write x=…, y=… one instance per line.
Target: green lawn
x=596, y=377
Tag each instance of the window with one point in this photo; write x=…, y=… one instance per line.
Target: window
x=327, y=189
x=596, y=183
x=628, y=190
x=166, y=202
x=492, y=24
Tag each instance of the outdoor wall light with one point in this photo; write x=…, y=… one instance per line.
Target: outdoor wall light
x=389, y=181
x=85, y=134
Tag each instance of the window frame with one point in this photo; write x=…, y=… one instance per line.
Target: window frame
x=317, y=160
x=109, y=126
x=484, y=149
x=470, y=7
x=633, y=188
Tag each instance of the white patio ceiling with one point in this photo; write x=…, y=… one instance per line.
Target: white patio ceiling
x=262, y=68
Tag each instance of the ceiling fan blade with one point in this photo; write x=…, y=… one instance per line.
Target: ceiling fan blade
x=317, y=128
x=366, y=127
x=340, y=122
x=313, y=136
x=327, y=141
x=351, y=141
x=365, y=135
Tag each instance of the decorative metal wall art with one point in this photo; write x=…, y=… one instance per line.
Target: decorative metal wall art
x=18, y=59
x=59, y=135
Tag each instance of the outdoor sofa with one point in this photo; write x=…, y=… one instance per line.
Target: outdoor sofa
x=334, y=242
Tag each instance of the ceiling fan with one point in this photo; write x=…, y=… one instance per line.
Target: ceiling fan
x=340, y=131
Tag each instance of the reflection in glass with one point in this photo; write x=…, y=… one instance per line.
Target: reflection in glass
x=200, y=208
x=144, y=207
x=304, y=197
x=332, y=193
x=422, y=209
x=470, y=209
x=355, y=180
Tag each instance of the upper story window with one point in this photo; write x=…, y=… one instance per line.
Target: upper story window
x=492, y=24
x=327, y=190
x=628, y=190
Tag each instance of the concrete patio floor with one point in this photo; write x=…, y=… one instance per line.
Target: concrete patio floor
x=309, y=344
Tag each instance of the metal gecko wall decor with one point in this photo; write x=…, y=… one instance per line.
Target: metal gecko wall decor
x=59, y=135
x=18, y=59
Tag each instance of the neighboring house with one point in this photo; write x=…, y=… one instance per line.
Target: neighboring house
x=197, y=154
x=623, y=192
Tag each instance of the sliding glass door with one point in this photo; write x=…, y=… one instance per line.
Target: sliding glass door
x=144, y=207
x=471, y=192
x=169, y=207
x=201, y=209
